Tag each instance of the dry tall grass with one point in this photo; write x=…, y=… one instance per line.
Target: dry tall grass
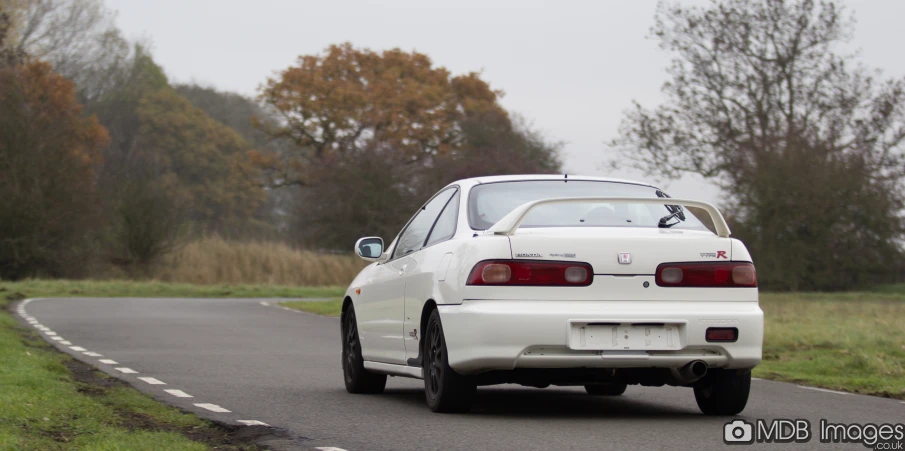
x=213, y=260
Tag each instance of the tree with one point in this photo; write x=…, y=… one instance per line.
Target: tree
x=204, y=157
x=78, y=37
x=807, y=145
x=48, y=150
x=348, y=98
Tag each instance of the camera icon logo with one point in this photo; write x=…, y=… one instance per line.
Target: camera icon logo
x=738, y=432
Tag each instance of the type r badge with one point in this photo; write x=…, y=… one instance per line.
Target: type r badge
x=625, y=258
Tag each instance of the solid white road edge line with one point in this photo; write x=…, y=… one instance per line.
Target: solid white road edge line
x=179, y=393
x=152, y=381
x=108, y=361
x=824, y=390
x=212, y=408
x=126, y=370
x=252, y=423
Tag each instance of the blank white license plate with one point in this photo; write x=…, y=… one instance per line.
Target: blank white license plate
x=609, y=336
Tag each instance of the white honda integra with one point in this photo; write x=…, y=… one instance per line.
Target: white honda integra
x=556, y=280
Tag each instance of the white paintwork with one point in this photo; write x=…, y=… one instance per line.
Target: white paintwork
x=152, y=381
x=92, y=354
x=179, y=393
x=499, y=328
x=824, y=390
x=108, y=362
x=212, y=407
x=126, y=370
x=510, y=223
x=252, y=423
x=78, y=348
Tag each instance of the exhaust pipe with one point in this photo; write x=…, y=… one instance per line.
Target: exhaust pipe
x=689, y=373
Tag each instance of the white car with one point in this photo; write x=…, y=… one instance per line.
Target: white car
x=556, y=280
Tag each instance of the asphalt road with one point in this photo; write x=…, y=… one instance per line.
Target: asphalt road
x=263, y=363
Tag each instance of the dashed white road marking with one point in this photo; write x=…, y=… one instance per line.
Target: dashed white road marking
x=108, y=361
x=49, y=332
x=824, y=390
x=756, y=379
x=179, y=393
x=252, y=423
x=65, y=343
x=265, y=304
x=92, y=354
x=212, y=408
x=329, y=448
x=42, y=328
x=126, y=370
x=77, y=348
x=152, y=381
x=56, y=338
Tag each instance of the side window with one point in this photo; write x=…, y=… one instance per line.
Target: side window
x=445, y=227
x=415, y=234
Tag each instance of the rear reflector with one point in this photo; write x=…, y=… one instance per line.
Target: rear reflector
x=729, y=334
x=531, y=273
x=707, y=274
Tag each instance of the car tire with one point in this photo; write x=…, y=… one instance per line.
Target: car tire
x=446, y=390
x=605, y=389
x=358, y=379
x=723, y=392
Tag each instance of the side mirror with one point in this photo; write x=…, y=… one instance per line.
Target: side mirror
x=369, y=248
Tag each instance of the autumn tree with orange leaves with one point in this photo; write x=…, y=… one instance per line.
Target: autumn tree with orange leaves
x=343, y=101
x=353, y=114
x=48, y=153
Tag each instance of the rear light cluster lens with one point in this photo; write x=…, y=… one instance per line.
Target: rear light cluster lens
x=717, y=274
x=717, y=334
x=531, y=273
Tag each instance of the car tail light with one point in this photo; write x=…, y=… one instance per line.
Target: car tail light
x=531, y=273
x=709, y=274
x=721, y=334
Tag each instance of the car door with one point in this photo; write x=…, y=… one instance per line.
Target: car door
x=381, y=306
x=425, y=269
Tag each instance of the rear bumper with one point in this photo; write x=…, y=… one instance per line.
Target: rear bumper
x=485, y=335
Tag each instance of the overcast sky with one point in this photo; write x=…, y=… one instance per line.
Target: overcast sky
x=570, y=67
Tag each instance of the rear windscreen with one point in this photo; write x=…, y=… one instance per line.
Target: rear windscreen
x=488, y=203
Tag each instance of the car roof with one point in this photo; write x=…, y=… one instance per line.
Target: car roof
x=523, y=177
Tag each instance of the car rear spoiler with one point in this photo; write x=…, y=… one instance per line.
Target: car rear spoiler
x=511, y=222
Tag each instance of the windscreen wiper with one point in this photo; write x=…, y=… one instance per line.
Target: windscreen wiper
x=675, y=211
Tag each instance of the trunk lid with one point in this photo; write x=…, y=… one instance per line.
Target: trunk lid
x=619, y=250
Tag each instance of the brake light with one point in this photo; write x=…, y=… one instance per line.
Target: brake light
x=531, y=273
x=707, y=274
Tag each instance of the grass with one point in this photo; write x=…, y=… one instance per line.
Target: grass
x=852, y=341
x=845, y=341
x=42, y=406
x=123, y=288
x=213, y=260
